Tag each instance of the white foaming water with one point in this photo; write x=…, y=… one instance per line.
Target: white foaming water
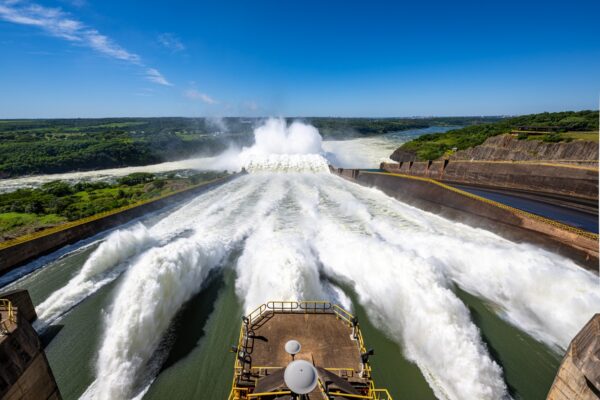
x=9, y=185
x=278, y=262
x=107, y=262
x=369, y=152
x=118, y=247
x=294, y=163
x=546, y=295
x=279, y=147
x=360, y=153
x=297, y=227
x=158, y=284
x=408, y=299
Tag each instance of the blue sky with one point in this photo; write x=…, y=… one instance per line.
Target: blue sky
x=85, y=58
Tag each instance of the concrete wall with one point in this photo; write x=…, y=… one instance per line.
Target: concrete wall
x=21, y=300
x=18, y=254
x=24, y=370
x=579, y=182
x=466, y=209
x=578, y=377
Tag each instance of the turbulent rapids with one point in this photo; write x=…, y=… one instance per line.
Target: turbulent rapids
x=300, y=233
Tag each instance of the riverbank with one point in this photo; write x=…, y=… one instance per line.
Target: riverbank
x=22, y=249
x=547, y=136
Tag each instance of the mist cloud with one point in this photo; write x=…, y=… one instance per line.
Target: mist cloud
x=194, y=94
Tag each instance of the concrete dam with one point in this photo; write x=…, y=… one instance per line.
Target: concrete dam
x=461, y=296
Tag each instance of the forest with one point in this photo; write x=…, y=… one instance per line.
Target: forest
x=29, y=147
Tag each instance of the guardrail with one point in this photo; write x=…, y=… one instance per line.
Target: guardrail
x=300, y=307
x=9, y=319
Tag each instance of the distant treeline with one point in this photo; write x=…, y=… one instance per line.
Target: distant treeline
x=62, y=145
x=52, y=146
x=348, y=127
x=563, y=124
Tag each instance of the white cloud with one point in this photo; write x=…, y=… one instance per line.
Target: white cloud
x=60, y=24
x=105, y=46
x=171, y=42
x=193, y=94
x=153, y=75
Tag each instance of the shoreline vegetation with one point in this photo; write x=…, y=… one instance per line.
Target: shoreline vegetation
x=28, y=211
x=560, y=127
x=32, y=147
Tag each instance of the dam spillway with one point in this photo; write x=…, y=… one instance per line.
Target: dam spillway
x=316, y=229
x=157, y=297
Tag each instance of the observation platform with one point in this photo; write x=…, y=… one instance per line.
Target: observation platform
x=331, y=342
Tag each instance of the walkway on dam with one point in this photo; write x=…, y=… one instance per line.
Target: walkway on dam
x=568, y=211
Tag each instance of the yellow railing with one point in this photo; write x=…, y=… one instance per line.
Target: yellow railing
x=259, y=395
x=343, y=314
x=302, y=307
x=381, y=394
x=10, y=318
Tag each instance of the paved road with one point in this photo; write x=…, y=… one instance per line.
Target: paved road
x=563, y=210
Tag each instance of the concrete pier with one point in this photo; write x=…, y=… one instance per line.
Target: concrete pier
x=578, y=377
x=24, y=370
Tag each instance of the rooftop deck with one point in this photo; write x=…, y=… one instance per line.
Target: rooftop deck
x=331, y=341
x=326, y=341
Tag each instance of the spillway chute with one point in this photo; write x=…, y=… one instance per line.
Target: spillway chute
x=287, y=163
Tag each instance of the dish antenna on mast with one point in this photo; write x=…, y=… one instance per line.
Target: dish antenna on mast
x=293, y=347
x=301, y=377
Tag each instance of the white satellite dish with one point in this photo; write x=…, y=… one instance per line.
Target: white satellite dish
x=300, y=377
x=293, y=347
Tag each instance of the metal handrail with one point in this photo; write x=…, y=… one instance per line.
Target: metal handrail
x=10, y=318
x=304, y=307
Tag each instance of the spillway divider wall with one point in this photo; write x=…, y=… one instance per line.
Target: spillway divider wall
x=554, y=223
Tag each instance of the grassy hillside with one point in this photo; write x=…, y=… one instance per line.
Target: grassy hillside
x=562, y=126
x=29, y=210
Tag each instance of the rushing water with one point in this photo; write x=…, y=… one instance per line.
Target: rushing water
x=452, y=311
